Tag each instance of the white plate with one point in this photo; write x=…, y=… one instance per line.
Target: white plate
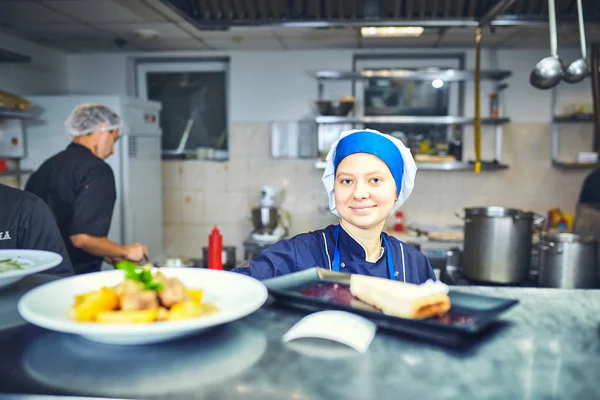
x=34, y=261
x=234, y=294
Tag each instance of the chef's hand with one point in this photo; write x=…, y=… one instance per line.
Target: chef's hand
x=113, y=260
x=110, y=260
x=136, y=252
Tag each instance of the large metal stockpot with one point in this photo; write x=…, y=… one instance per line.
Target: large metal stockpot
x=568, y=261
x=497, y=244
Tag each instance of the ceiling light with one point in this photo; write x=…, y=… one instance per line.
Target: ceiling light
x=144, y=33
x=437, y=83
x=391, y=31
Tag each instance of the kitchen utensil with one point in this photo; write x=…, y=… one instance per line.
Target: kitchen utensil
x=264, y=219
x=578, y=69
x=568, y=261
x=173, y=262
x=548, y=72
x=497, y=244
x=477, y=135
x=341, y=108
x=235, y=295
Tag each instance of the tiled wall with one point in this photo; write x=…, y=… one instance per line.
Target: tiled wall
x=200, y=194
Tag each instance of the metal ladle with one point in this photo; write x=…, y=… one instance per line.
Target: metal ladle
x=548, y=72
x=578, y=70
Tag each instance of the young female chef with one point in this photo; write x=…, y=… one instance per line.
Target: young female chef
x=368, y=176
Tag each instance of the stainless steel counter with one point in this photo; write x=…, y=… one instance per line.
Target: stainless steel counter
x=548, y=348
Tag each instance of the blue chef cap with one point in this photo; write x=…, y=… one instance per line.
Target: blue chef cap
x=377, y=145
x=389, y=149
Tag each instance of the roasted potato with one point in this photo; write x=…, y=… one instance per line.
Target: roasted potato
x=195, y=295
x=89, y=305
x=127, y=317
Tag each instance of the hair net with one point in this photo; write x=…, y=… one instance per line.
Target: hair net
x=408, y=165
x=89, y=117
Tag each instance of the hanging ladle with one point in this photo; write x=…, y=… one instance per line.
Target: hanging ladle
x=578, y=70
x=548, y=72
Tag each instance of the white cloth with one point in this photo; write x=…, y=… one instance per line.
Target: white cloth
x=408, y=173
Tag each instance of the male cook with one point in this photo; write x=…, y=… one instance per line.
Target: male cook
x=79, y=186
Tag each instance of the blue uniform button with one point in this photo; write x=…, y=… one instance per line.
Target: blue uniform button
x=396, y=274
x=342, y=265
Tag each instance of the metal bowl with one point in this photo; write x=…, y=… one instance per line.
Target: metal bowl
x=340, y=109
x=264, y=219
x=173, y=262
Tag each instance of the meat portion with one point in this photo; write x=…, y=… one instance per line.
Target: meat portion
x=141, y=300
x=173, y=292
x=129, y=286
x=159, y=277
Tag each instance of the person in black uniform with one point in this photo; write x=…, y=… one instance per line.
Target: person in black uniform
x=590, y=192
x=26, y=222
x=79, y=186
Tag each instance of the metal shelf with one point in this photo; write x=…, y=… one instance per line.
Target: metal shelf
x=448, y=75
x=421, y=120
x=15, y=172
x=460, y=166
x=447, y=166
x=574, y=165
x=6, y=113
x=567, y=119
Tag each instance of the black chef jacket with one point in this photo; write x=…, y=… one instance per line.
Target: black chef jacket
x=26, y=222
x=590, y=192
x=80, y=189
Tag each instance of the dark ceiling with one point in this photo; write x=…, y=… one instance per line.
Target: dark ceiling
x=223, y=13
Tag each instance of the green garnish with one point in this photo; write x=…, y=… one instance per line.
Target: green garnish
x=8, y=264
x=135, y=273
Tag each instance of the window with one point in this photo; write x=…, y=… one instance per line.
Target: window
x=194, y=118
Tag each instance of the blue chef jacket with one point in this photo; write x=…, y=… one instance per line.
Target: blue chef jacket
x=317, y=248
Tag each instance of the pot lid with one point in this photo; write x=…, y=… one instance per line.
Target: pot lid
x=495, y=211
x=563, y=237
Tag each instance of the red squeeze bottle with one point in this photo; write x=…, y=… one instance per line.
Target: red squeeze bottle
x=215, y=249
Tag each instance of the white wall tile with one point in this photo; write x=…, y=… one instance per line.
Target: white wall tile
x=216, y=209
x=193, y=206
x=216, y=176
x=172, y=174
x=194, y=176
x=172, y=206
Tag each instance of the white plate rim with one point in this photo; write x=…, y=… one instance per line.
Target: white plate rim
x=53, y=261
x=155, y=328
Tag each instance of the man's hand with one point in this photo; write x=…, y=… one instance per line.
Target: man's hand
x=112, y=260
x=136, y=252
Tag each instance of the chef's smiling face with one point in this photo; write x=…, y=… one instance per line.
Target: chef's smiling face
x=365, y=191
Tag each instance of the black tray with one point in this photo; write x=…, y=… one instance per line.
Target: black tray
x=469, y=319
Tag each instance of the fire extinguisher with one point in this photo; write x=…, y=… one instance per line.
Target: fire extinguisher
x=399, y=221
x=215, y=249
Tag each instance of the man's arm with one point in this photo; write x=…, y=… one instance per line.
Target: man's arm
x=38, y=231
x=103, y=247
